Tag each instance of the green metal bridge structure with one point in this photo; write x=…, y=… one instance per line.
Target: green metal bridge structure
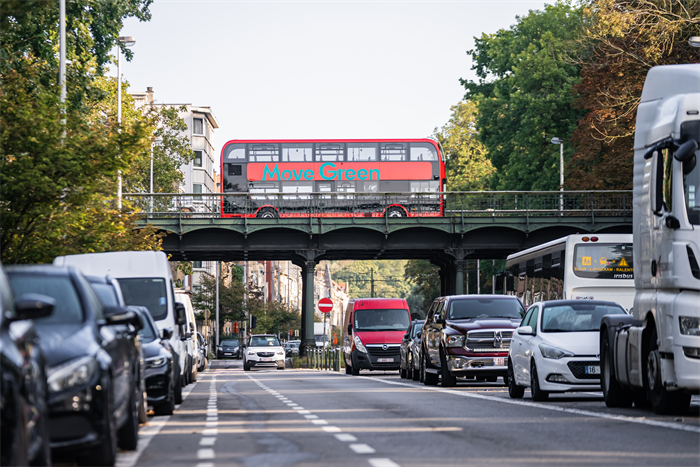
x=445, y=228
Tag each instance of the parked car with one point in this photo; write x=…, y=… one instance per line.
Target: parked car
x=145, y=279
x=189, y=336
x=291, y=348
x=203, y=352
x=230, y=348
x=110, y=294
x=93, y=392
x=263, y=350
x=468, y=336
x=557, y=348
x=372, y=333
x=407, y=344
x=24, y=424
x=160, y=373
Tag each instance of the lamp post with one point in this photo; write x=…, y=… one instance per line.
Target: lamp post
x=560, y=142
x=126, y=41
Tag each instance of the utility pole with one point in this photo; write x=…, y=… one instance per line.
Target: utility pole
x=62, y=54
x=218, y=264
x=371, y=276
x=478, y=277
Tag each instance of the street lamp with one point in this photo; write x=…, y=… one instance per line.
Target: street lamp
x=560, y=142
x=126, y=41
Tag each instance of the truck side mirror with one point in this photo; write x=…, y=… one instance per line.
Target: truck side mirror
x=166, y=333
x=349, y=328
x=656, y=187
x=686, y=150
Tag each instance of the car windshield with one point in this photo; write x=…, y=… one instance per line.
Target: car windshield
x=485, y=308
x=147, y=333
x=294, y=345
x=233, y=343
x=106, y=294
x=382, y=320
x=264, y=341
x=416, y=328
x=579, y=317
x=148, y=292
x=68, y=307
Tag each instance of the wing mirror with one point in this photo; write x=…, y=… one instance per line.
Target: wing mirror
x=686, y=150
x=115, y=315
x=166, y=333
x=180, y=318
x=405, y=336
x=33, y=306
x=186, y=336
x=349, y=328
x=439, y=320
x=418, y=334
x=525, y=331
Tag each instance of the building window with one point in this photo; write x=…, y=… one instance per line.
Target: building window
x=198, y=126
x=197, y=188
x=198, y=155
x=197, y=265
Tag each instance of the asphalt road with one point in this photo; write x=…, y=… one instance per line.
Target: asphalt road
x=306, y=417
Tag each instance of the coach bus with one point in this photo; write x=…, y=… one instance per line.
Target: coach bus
x=581, y=267
x=332, y=178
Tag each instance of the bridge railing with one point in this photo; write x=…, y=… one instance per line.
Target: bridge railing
x=448, y=204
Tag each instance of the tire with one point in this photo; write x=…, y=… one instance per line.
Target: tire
x=537, y=394
x=395, y=211
x=409, y=369
x=614, y=393
x=348, y=369
x=448, y=379
x=178, y=389
x=663, y=401
x=355, y=369
x=195, y=373
x=415, y=374
x=267, y=213
x=491, y=379
x=143, y=409
x=402, y=373
x=421, y=371
x=280, y=368
x=128, y=438
x=104, y=453
x=429, y=379
x=245, y=366
x=168, y=406
x=43, y=455
x=514, y=391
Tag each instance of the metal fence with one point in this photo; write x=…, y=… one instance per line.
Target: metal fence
x=447, y=204
x=324, y=359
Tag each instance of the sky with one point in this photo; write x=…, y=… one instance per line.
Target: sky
x=314, y=69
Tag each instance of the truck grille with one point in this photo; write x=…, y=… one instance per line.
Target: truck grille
x=266, y=354
x=497, y=340
x=381, y=353
x=579, y=370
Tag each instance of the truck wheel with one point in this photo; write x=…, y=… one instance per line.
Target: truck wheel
x=537, y=394
x=514, y=391
x=615, y=394
x=267, y=213
x=348, y=370
x=448, y=379
x=429, y=379
x=663, y=401
x=355, y=370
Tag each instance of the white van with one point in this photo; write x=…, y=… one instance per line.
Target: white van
x=145, y=279
x=190, y=336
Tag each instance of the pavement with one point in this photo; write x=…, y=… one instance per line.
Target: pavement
x=318, y=418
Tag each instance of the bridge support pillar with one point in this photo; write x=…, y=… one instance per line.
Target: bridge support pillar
x=308, y=263
x=454, y=271
x=460, y=265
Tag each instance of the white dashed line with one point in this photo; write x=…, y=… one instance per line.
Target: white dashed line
x=331, y=429
x=382, y=462
x=207, y=441
x=362, y=448
x=205, y=454
x=310, y=417
x=345, y=437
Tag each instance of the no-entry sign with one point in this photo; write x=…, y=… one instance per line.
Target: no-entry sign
x=325, y=305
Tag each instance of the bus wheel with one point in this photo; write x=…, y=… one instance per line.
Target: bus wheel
x=267, y=213
x=395, y=212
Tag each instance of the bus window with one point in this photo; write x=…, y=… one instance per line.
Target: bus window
x=425, y=186
x=346, y=187
x=234, y=152
x=393, y=151
x=330, y=152
x=423, y=152
x=263, y=152
x=297, y=187
x=362, y=152
x=266, y=187
x=297, y=152
x=371, y=187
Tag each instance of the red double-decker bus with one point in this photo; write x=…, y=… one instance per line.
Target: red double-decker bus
x=332, y=178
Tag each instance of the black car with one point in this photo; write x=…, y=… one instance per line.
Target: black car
x=110, y=294
x=160, y=371
x=24, y=426
x=291, y=348
x=410, y=339
x=93, y=393
x=229, y=349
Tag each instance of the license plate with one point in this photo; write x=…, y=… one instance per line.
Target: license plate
x=499, y=361
x=385, y=360
x=266, y=360
x=592, y=370
x=228, y=353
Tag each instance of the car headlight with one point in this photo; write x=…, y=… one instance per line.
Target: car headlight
x=689, y=326
x=359, y=345
x=553, y=352
x=75, y=373
x=455, y=341
x=280, y=353
x=155, y=362
x=250, y=352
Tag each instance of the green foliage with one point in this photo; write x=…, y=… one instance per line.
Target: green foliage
x=231, y=306
x=426, y=280
x=525, y=95
x=274, y=317
x=388, y=278
x=468, y=167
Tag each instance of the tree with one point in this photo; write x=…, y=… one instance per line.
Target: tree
x=468, y=167
x=388, y=278
x=623, y=41
x=524, y=96
x=425, y=278
x=231, y=305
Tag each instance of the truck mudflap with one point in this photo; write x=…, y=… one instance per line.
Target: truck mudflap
x=621, y=330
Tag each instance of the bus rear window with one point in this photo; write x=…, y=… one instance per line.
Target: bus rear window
x=603, y=261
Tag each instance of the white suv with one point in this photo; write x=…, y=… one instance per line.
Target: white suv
x=263, y=350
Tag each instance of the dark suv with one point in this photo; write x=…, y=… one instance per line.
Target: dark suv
x=469, y=336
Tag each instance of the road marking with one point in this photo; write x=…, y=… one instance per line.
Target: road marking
x=347, y=437
x=331, y=429
x=319, y=422
x=207, y=441
x=205, y=464
x=205, y=454
x=382, y=462
x=362, y=449
x=310, y=417
x=554, y=408
x=146, y=434
x=304, y=412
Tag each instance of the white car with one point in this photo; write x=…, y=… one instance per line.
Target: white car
x=557, y=348
x=263, y=350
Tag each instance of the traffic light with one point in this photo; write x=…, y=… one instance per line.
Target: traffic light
x=253, y=321
x=291, y=333
x=235, y=328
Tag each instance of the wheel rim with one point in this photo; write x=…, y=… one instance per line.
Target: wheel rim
x=394, y=213
x=653, y=370
x=267, y=215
